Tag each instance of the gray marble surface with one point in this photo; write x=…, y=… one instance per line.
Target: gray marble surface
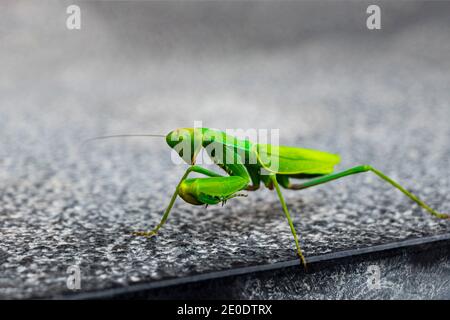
x=379, y=98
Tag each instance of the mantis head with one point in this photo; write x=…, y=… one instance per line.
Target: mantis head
x=187, y=142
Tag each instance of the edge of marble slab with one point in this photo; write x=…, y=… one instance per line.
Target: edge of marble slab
x=111, y=292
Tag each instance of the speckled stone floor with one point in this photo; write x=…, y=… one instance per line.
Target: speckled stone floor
x=377, y=98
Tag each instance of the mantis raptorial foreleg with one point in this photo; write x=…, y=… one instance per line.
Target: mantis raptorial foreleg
x=365, y=168
x=288, y=216
x=174, y=197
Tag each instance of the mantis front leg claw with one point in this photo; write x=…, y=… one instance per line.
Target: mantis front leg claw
x=445, y=216
x=146, y=234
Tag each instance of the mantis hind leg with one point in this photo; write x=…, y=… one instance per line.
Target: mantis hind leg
x=174, y=197
x=366, y=168
x=288, y=216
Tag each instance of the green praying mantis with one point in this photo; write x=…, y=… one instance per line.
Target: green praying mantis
x=248, y=165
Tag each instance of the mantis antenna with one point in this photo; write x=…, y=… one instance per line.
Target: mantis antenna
x=122, y=136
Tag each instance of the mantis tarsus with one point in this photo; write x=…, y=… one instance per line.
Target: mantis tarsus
x=243, y=162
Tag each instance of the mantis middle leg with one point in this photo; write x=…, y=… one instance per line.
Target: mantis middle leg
x=288, y=216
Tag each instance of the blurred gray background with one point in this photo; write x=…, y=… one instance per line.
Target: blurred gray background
x=310, y=68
